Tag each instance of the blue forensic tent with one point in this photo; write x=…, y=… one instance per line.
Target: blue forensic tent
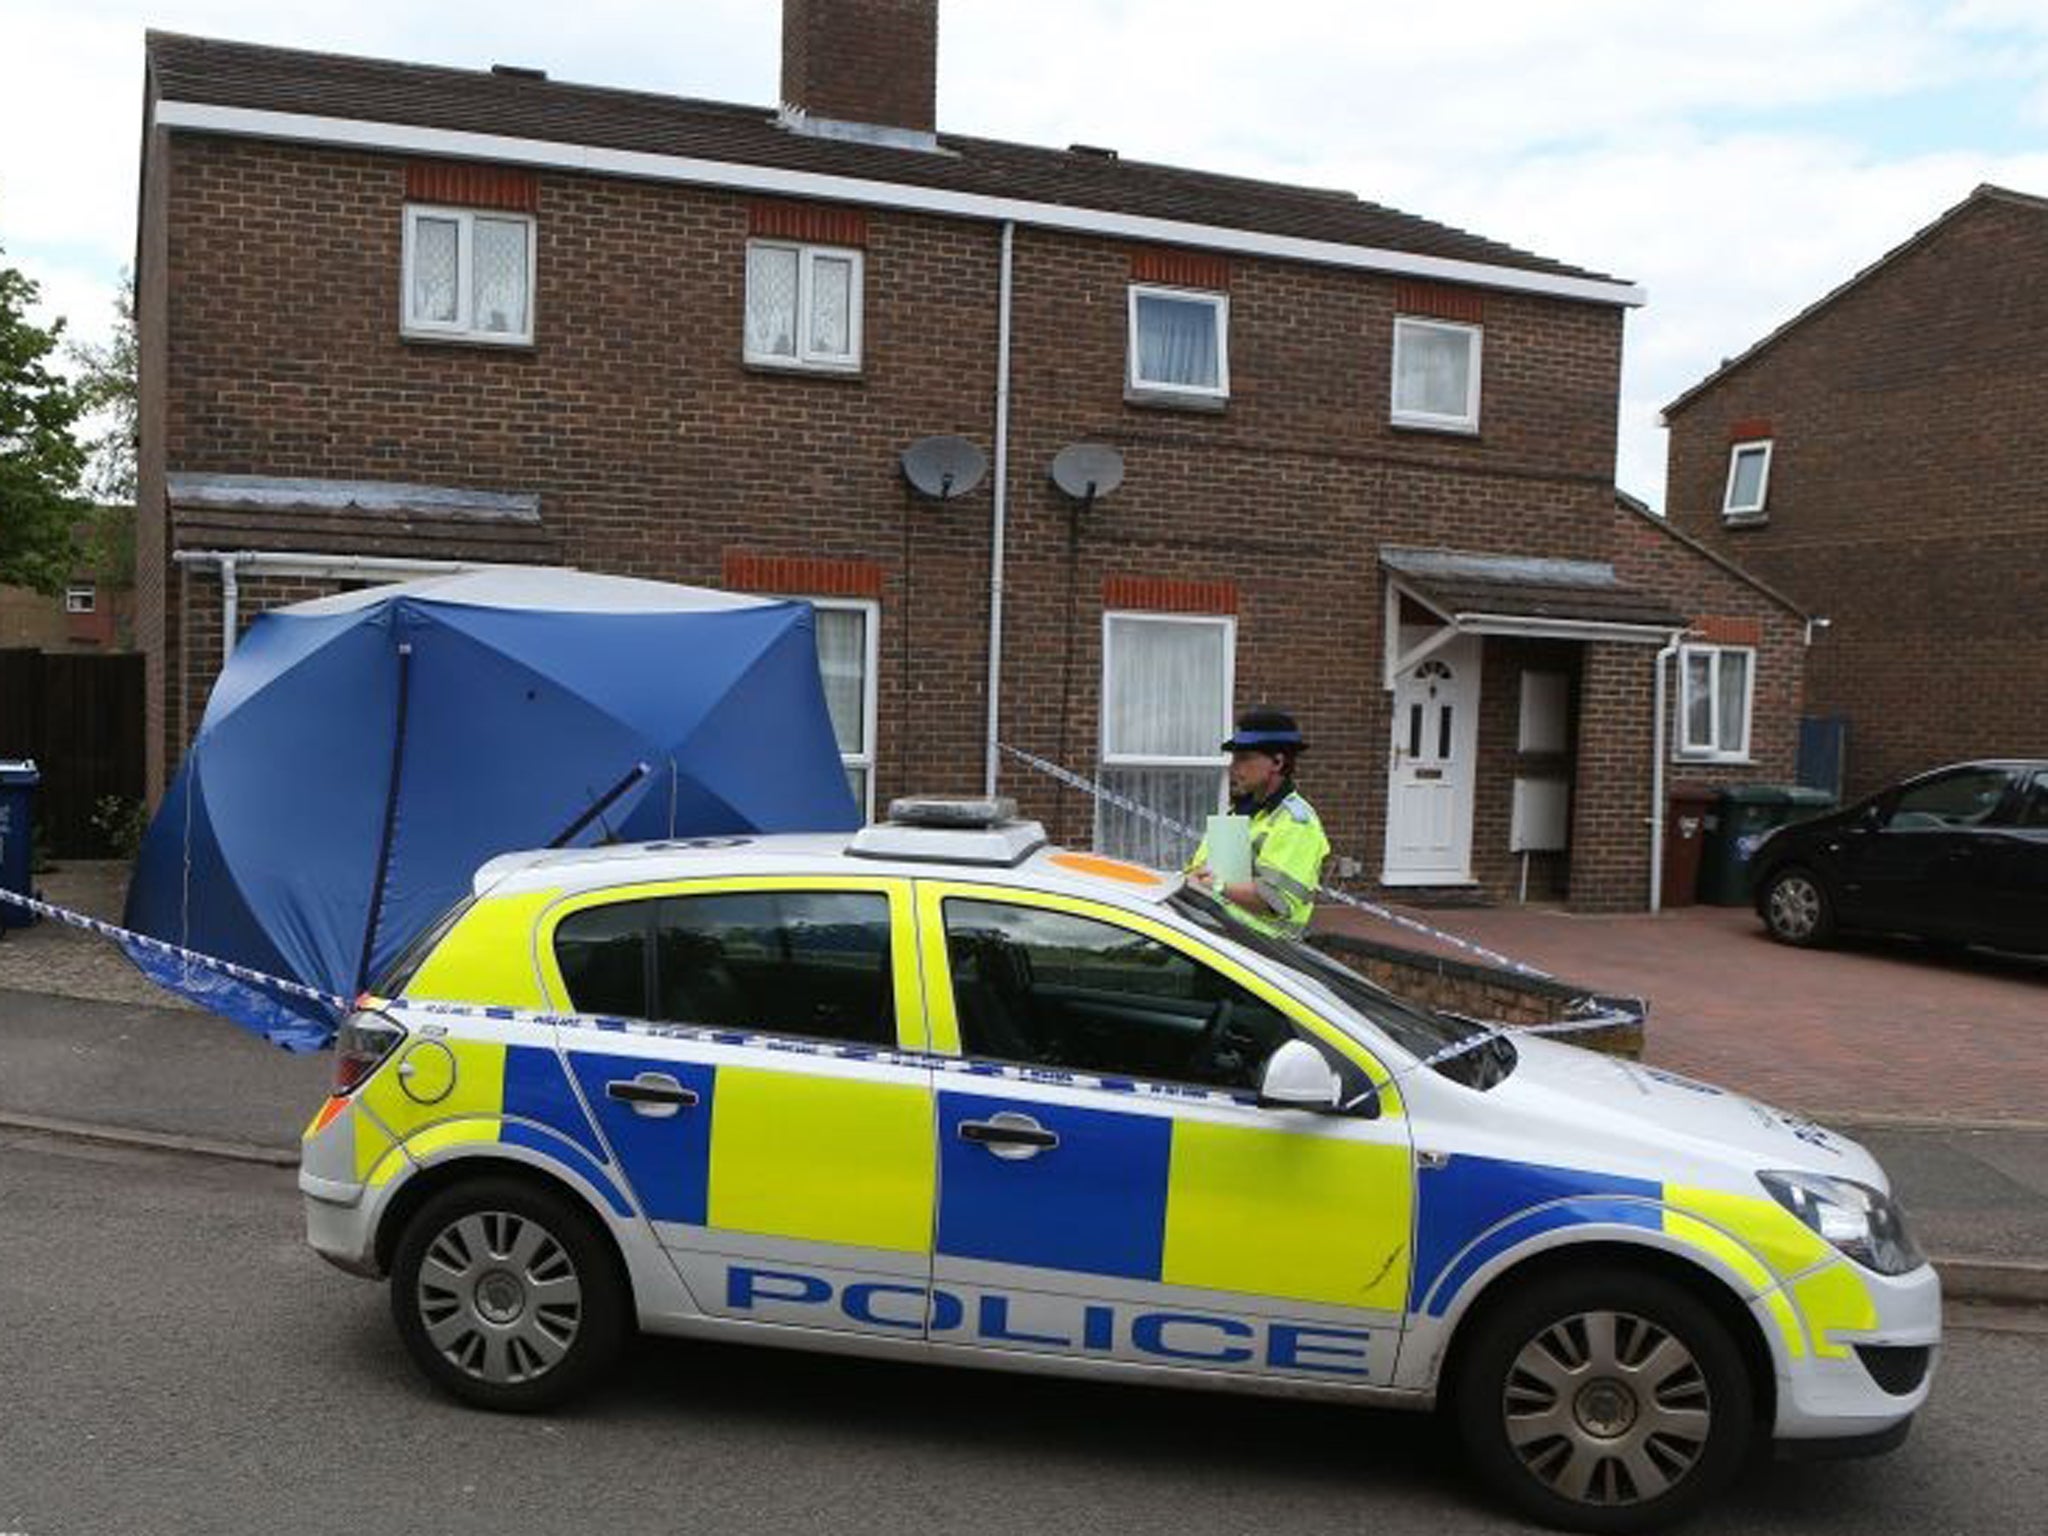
x=363, y=754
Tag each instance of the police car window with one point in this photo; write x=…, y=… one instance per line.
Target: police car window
x=1420, y=1033
x=811, y=963
x=1055, y=990
x=602, y=953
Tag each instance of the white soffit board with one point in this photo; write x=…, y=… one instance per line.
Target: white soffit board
x=404, y=138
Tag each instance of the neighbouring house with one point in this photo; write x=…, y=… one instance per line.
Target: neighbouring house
x=96, y=610
x=1879, y=458
x=396, y=318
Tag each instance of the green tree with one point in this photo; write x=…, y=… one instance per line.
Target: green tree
x=41, y=462
x=106, y=377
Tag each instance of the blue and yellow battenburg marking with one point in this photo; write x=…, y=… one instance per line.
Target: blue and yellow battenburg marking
x=1476, y=1209
x=465, y=1093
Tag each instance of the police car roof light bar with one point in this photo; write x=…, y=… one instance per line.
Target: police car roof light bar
x=947, y=811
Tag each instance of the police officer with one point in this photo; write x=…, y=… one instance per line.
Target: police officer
x=1288, y=845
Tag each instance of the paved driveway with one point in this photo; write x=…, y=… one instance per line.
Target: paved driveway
x=1873, y=1028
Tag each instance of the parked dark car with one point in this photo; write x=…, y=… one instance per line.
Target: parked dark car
x=1959, y=855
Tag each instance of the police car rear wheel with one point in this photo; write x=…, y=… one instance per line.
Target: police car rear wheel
x=1607, y=1403
x=506, y=1295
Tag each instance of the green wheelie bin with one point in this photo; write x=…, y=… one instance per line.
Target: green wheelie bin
x=1745, y=813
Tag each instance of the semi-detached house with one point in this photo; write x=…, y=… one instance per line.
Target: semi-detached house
x=397, y=317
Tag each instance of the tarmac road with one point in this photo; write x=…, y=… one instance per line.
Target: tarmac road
x=173, y=1358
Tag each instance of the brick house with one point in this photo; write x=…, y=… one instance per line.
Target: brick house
x=1879, y=459
x=395, y=317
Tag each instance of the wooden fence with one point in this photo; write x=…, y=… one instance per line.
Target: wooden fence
x=80, y=718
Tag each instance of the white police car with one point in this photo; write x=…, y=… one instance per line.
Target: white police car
x=943, y=1092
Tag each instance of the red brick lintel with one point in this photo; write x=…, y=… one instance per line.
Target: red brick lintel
x=1717, y=629
x=812, y=223
x=1157, y=594
x=1441, y=302
x=1750, y=429
x=1179, y=269
x=460, y=185
x=801, y=575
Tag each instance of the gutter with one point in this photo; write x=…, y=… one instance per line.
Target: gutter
x=446, y=143
x=231, y=563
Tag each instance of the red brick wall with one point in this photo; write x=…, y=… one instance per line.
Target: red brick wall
x=655, y=450
x=862, y=61
x=1908, y=497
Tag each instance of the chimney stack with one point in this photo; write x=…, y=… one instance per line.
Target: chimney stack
x=873, y=64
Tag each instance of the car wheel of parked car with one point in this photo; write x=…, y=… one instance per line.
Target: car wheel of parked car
x=507, y=1295
x=1797, y=909
x=1605, y=1402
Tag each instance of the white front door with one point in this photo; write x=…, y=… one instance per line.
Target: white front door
x=1430, y=766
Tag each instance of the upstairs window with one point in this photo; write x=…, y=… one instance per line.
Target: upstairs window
x=1714, y=691
x=469, y=275
x=1436, y=375
x=81, y=597
x=1749, y=479
x=1180, y=344
x=803, y=306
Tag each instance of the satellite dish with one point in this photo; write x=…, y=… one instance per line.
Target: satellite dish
x=943, y=468
x=1085, y=471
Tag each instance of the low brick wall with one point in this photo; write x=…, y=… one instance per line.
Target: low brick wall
x=1487, y=992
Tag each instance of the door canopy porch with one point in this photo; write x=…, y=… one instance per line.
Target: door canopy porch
x=1519, y=595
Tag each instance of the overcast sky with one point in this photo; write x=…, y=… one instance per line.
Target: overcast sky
x=1737, y=158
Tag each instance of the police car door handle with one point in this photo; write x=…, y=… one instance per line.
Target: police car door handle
x=1009, y=1135
x=654, y=1094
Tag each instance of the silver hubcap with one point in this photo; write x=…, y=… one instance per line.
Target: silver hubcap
x=499, y=1297
x=1795, y=907
x=1607, y=1408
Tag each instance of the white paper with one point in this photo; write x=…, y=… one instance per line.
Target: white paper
x=1230, y=849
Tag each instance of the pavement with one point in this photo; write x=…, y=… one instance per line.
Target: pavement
x=1938, y=1064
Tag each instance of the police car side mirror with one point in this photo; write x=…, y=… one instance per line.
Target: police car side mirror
x=1297, y=1077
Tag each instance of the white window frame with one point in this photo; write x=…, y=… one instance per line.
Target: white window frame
x=81, y=597
x=1218, y=759
x=1468, y=421
x=1684, y=750
x=463, y=327
x=807, y=361
x=1729, y=508
x=1219, y=302
x=870, y=692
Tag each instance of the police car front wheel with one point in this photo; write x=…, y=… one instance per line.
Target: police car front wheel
x=1606, y=1403
x=506, y=1295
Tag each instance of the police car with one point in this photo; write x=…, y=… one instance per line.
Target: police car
x=937, y=1090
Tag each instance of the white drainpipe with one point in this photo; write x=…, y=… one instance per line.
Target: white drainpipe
x=1002, y=488
x=230, y=607
x=1657, y=775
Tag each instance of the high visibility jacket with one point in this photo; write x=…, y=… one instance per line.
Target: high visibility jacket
x=1288, y=849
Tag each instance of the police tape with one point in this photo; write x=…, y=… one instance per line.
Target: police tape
x=1590, y=1017
x=130, y=940
x=1166, y=823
